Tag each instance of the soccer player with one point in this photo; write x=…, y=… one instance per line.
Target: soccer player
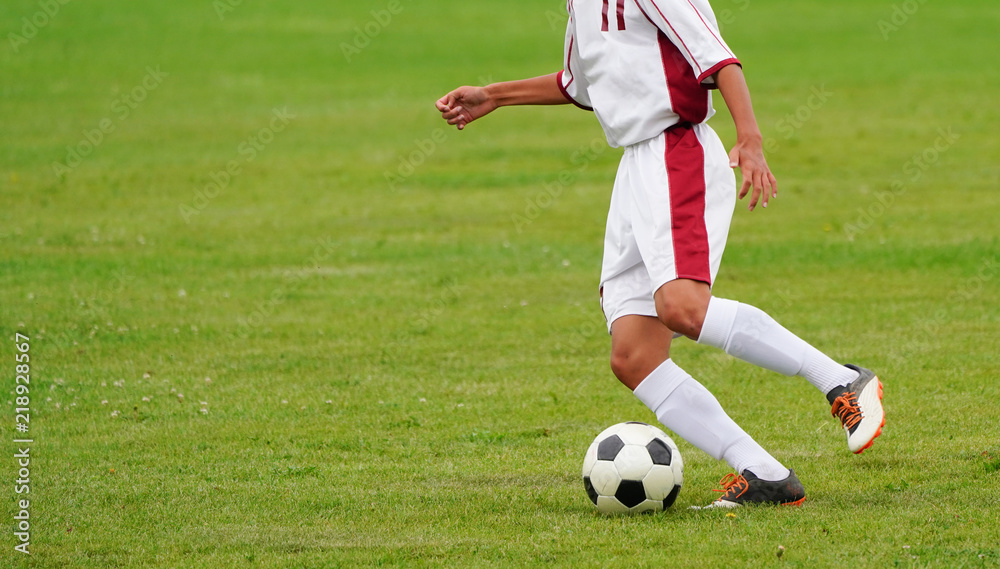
x=646, y=68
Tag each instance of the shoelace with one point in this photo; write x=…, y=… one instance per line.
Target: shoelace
x=846, y=409
x=733, y=484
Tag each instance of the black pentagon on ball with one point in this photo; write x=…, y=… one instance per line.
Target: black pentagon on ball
x=609, y=448
x=590, y=489
x=631, y=493
x=659, y=452
x=669, y=501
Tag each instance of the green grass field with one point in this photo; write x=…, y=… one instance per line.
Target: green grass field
x=279, y=316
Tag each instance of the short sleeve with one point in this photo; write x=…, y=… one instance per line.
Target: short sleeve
x=691, y=26
x=572, y=81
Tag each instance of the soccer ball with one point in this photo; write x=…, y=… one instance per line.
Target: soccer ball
x=631, y=468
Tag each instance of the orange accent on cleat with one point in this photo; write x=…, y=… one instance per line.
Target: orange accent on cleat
x=858, y=406
x=877, y=432
x=747, y=488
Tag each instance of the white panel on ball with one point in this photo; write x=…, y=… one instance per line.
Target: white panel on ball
x=659, y=482
x=610, y=505
x=604, y=477
x=633, y=462
x=637, y=433
x=648, y=506
x=589, y=460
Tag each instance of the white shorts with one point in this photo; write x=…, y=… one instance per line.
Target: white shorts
x=669, y=218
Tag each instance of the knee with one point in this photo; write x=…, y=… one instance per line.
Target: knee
x=682, y=306
x=682, y=318
x=621, y=365
x=633, y=364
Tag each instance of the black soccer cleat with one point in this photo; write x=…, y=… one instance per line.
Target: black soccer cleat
x=859, y=408
x=741, y=489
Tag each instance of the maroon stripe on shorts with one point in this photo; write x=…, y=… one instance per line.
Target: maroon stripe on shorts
x=685, y=161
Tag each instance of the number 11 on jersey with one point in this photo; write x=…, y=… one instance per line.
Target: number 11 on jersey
x=620, y=13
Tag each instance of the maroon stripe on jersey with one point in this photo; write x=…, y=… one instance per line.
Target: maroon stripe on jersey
x=685, y=161
x=639, y=6
x=621, y=15
x=569, y=58
x=572, y=77
x=604, y=16
x=669, y=25
x=687, y=97
x=565, y=93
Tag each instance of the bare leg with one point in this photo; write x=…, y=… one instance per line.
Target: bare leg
x=639, y=344
x=682, y=304
x=640, y=350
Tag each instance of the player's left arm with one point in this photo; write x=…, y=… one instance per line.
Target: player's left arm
x=466, y=104
x=748, y=154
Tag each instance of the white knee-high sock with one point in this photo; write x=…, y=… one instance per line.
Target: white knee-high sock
x=748, y=333
x=685, y=407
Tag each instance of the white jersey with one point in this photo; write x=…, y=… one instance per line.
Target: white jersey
x=642, y=65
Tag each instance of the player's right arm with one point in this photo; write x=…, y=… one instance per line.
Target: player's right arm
x=466, y=104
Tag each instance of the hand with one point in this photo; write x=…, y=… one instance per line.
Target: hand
x=748, y=155
x=465, y=104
